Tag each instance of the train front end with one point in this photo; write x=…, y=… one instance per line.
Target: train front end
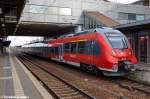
x=122, y=59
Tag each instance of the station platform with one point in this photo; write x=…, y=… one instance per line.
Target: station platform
x=16, y=82
x=143, y=67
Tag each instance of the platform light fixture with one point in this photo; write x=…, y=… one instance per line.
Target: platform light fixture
x=3, y=25
x=1, y=11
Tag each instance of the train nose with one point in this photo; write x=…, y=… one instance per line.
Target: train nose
x=122, y=54
x=130, y=66
x=127, y=65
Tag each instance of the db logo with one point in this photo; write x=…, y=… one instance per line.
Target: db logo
x=122, y=53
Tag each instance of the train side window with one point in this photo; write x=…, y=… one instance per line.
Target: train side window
x=56, y=50
x=88, y=47
x=52, y=50
x=66, y=47
x=73, y=47
x=49, y=50
x=96, y=48
x=46, y=50
x=81, y=47
x=92, y=47
x=95, y=31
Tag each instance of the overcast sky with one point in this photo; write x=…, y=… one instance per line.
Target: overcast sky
x=20, y=40
x=124, y=1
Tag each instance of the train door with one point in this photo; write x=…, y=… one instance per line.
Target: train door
x=94, y=50
x=61, y=52
x=73, y=54
x=143, y=43
x=91, y=51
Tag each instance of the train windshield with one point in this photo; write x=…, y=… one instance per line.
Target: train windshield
x=117, y=40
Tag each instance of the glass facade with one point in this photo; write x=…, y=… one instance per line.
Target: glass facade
x=140, y=17
x=50, y=10
x=143, y=45
x=64, y=11
x=131, y=41
x=140, y=45
x=130, y=16
x=37, y=9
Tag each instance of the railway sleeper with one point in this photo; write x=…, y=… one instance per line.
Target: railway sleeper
x=135, y=84
x=55, y=82
x=58, y=84
x=69, y=94
x=140, y=86
x=73, y=97
x=61, y=90
x=57, y=88
x=148, y=89
x=65, y=91
x=143, y=89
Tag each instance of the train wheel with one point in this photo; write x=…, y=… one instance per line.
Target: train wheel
x=89, y=68
x=83, y=67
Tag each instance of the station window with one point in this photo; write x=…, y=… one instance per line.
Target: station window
x=123, y=16
x=140, y=17
x=52, y=10
x=65, y=11
x=131, y=16
x=37, y=9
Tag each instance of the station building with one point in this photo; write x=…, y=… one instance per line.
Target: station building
x=77, y=12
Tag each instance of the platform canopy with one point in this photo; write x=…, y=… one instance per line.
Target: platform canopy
x=134, y=27
x=10, y=12
x=46, y=29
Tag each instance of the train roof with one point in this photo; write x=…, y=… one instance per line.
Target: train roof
x=101, y=30
x=37, y=45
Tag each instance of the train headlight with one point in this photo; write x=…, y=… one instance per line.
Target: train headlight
x=130, y=53
x=113, y=53
x=115, y=67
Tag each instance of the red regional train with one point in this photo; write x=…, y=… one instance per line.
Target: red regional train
x=104, y=49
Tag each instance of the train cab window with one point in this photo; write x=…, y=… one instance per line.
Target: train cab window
x=73, y=47
x=117, y=40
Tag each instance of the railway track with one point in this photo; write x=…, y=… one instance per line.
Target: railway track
x=133, y=85
x=122, y=82
x=57, y=86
